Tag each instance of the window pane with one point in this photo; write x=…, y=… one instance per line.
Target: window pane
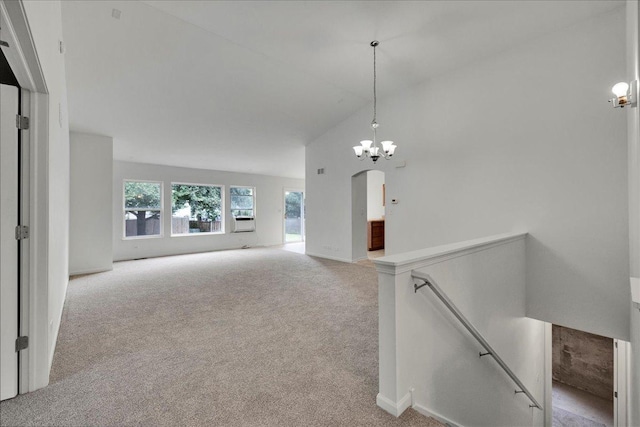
x=142, y=223
x=293, y=204
x=242, y=200
x=142, y=208
x=142, y=195
x=242, y=212
x=242, y=191
x=196, y=209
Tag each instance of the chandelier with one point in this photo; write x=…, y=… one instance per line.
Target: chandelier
x=370, y=148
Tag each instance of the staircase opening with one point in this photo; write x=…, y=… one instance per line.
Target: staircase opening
x=583, y=378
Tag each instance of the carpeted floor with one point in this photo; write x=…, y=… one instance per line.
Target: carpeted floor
x=562, y=418
x=258, y=337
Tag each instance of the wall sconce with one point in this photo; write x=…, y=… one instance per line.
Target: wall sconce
x=626, y=95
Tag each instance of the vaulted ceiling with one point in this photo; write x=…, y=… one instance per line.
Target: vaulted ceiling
x=245, y=85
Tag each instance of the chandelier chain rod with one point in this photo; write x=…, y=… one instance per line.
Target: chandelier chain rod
x=374, y=85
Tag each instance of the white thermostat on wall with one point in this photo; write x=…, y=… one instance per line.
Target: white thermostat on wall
x=394, y=201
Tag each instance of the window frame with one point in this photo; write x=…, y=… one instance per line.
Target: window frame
x=222, y=210
x=125, y=209
x=254, y=201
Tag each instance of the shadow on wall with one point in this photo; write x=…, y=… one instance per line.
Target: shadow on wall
x=359, y=216
x=544, y=266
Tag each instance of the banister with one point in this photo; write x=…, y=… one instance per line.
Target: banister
x=428, y=281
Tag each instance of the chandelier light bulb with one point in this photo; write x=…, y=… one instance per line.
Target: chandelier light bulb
x=620, y=89
x=386, y=146
x=359, y=149
x=366, y=144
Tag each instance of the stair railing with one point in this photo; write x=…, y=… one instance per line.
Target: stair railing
x=428, y=281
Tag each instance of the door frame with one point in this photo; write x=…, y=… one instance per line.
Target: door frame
x=34, y=363
x=620, y=382
x=286, y=190
x=25, y=244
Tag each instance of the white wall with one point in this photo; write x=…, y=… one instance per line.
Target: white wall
x=269, y=211
x=437, y=357
x=45, y=21
x=633, y=125
x=375, y=180
x=91, y=214
x=521, y=141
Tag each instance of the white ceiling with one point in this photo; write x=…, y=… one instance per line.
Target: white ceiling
x=245, y=85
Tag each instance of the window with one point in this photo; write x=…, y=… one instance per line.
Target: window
x=196, y=209
x=242, y=201
x=142, y=208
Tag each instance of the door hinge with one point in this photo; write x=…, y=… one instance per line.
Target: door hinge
x=22, y=122
x=22, y=343
x=22, y=232
x=615, y=394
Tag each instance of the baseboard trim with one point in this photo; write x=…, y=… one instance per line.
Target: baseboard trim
x=395, y=409
x=204, y=251
x=428, y=413
x=90, y=271
x=54, y=335
x=328, y=257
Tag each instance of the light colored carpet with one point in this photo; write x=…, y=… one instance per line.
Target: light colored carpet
x=562, y=418
x=257, y=337
x=571, y=406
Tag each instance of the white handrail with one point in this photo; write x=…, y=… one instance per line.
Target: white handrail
x=428, y=281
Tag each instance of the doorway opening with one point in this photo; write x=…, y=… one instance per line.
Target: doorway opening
x=583, y=378
x=294, y=213
x=375, y=214
x=367, y=216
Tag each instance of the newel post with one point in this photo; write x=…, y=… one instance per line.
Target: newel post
x=391, y=285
